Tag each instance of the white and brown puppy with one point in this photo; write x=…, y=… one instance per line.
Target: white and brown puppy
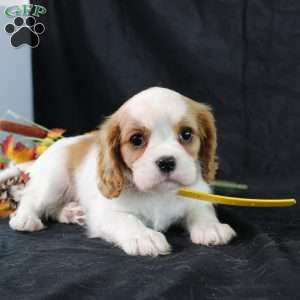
x=155, y=143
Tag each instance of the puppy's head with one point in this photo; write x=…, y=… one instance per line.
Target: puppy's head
x=163, y=139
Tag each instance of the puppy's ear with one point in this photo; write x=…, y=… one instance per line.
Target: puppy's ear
x=110, y=174
x=208, y=147
x=208, y=136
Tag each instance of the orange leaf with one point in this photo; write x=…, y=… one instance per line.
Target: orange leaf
x=7, y=144
x=4, y=205
x=23, y=155
x=18, y=153
x=55, y=133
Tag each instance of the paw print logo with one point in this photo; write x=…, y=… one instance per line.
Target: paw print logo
x=25, y=31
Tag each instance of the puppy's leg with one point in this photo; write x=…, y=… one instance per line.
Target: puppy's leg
x=43, y=195
x=205, y=228
x=40, y=199
x=129, y=233
x=29, y=213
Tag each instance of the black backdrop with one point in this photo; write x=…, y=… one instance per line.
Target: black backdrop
x=243, y=58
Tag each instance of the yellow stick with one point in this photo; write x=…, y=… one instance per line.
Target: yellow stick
x=236, y=201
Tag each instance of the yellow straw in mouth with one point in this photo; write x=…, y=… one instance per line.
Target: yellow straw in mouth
x=235, y=201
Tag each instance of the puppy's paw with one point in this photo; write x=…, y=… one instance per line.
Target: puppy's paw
x=23, y=222
x=212, y=234
x=72, y=213
x=149, y=242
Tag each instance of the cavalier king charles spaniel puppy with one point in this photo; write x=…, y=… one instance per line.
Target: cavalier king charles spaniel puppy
x=121, y=180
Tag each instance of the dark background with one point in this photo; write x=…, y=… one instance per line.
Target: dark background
x=241, y=57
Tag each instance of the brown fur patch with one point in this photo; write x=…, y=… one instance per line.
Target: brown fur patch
x=207, y=134
x=110, y=166
x=78, y=151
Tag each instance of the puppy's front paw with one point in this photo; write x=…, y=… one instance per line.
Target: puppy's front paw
x=149, y=242
x=22, y=222
x=212, y=234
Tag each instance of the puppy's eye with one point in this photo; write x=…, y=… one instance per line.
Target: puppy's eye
x=186, y=135
x=137, y=140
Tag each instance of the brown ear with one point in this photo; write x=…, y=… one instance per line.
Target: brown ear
x=110, y=175
x=208, y=147
x=208, y=136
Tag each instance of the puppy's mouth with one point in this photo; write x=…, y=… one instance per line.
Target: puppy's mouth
x=169, y=178
x=165, y=182
x=171, y=182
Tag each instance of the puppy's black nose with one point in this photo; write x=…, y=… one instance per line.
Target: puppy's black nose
x=166, y=164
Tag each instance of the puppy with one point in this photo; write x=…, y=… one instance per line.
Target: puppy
x=125, y=176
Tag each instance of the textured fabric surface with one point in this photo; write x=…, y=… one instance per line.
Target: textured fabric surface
x=61, y=263
x=242, y=57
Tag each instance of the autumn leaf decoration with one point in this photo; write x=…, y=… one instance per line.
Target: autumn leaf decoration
x=17, y=152
x=52, y=136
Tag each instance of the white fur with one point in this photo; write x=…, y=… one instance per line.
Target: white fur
x=134, y=220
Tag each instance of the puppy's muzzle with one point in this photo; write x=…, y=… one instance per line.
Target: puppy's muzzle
x=166, y=164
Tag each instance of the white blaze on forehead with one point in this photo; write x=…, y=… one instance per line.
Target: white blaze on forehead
x=155, y=106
